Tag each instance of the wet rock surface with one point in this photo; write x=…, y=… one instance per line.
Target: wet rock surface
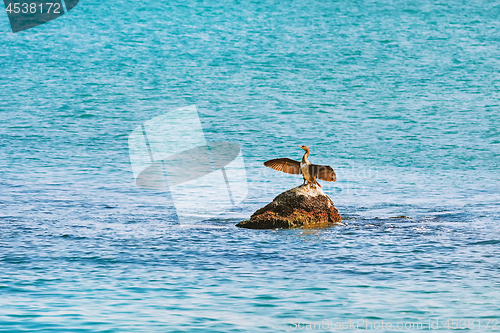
x=303, y=206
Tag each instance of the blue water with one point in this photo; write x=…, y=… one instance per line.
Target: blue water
x=401, y=98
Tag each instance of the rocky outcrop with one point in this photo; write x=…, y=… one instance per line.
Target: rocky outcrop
x=302, y=206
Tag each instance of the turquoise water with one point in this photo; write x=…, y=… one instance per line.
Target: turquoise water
x=401, y=98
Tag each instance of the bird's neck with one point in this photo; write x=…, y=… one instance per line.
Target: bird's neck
x=305, y=157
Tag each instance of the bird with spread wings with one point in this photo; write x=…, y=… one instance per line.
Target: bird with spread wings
x=310, y=172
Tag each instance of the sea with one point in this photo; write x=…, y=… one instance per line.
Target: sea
x=400, y=97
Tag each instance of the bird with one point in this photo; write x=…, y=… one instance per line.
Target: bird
x=310, y=172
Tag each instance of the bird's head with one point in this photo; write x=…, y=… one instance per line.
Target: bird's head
x=306, y=148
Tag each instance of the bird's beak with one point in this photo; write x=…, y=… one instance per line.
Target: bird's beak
x=299, y=146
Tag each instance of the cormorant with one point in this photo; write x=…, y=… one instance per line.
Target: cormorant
x=309, y=171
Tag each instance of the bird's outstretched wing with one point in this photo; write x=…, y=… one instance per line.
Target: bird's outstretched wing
x=323, y=172
x=284, y=164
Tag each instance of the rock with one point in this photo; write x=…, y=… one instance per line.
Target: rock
x=302, y=206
